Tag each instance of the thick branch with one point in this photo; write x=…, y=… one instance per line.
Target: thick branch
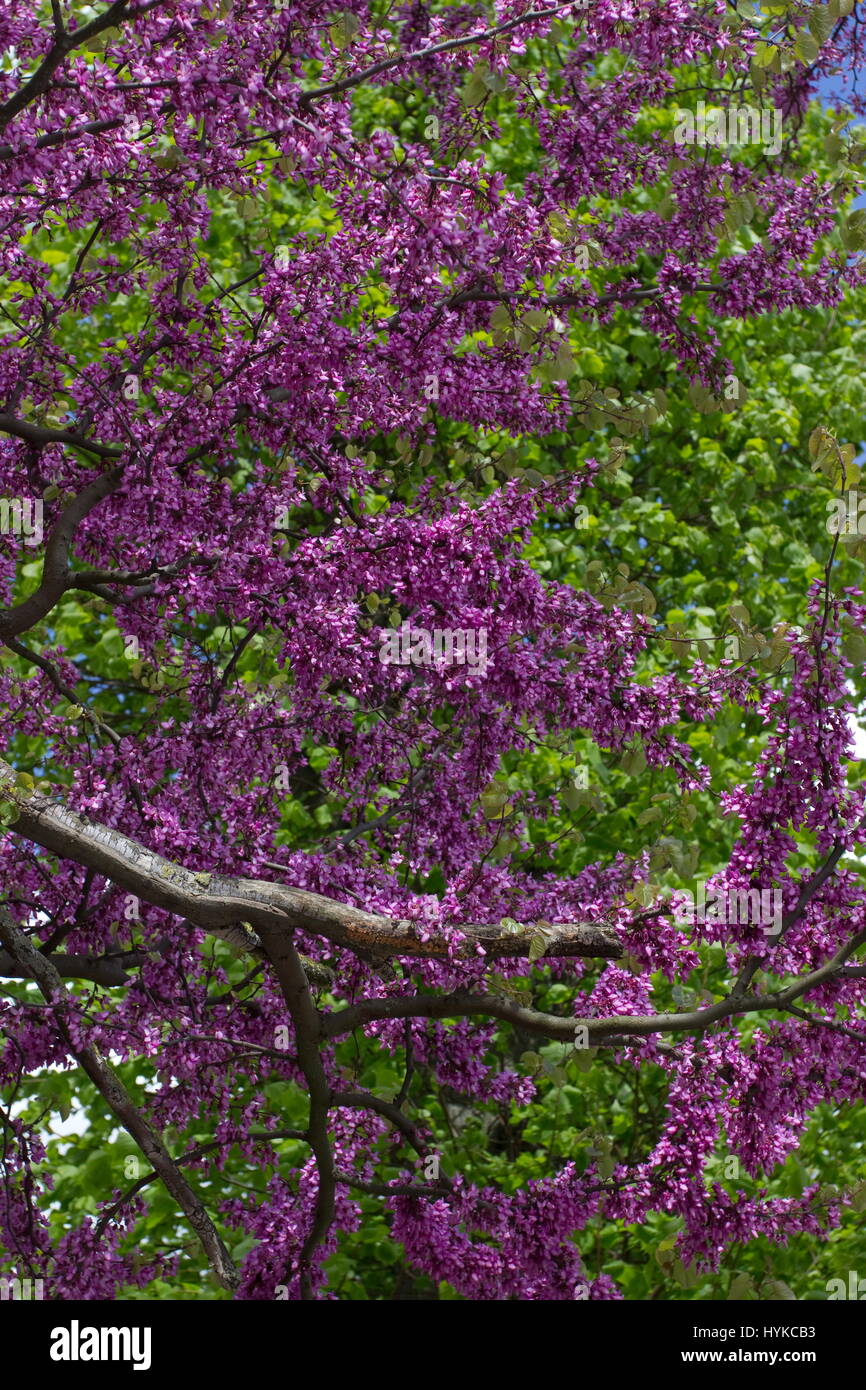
x=384, y=1189
x=218, y=903
x=305, y=1016
x=191, y=1156
x=61, y=137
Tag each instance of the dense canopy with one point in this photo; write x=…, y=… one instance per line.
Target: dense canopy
x=430, y=855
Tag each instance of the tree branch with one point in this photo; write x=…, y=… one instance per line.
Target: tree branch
x=364, y=1100
x=64, y=44
x=307, y=1021
x=416, y=55
x=102, y=970
x=191, y=1156
x=597, y=1029
x=218, y=903
x=119, y=1102
x=789, y=919
x=56, y=573
x=40, y=435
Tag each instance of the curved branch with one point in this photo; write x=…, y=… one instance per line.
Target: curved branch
x=56, y=573
x=61, y=137
x=383, y=1189
x=597, y=1029
x=40, y=435
x=219, y=903
x=364, y=1100
x=790, y=919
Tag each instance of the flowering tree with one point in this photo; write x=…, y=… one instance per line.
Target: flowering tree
x=347, y=759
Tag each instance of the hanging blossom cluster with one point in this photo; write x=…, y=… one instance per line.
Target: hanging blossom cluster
x=229, y=282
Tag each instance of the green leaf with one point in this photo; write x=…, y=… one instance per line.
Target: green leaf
x=833, y=147
x=739, y=615
x=858, y=1197
x=806, y=47
x=700, y=397
x=575, y=797
x=494, y=802
x=342, y=32
x=537, y=946
x=644, y=893
x=685, y=1275
x=820, y=442
x=509, y=926
x=665, y=1256
x=765, y=54
x=821, y=23
x=474, y=91
x=853, y=230
x=633, y=760
x=776, y=1291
